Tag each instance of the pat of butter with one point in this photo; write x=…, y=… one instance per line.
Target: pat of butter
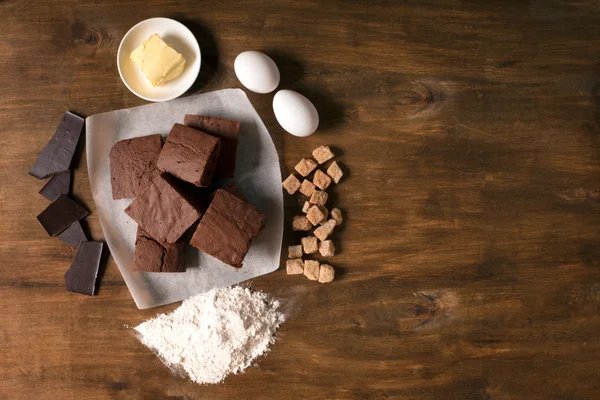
x=158, y=61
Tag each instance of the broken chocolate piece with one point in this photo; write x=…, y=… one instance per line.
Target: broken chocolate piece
x=81, y=276
x=151, y=256
x=57, y=185
x=225, y=129
x=60, y=214
x=57, y=155
x=73, y=235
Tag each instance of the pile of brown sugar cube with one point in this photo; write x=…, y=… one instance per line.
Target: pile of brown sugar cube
x=316, y=217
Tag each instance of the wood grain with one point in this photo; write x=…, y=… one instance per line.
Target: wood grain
x=469, y=263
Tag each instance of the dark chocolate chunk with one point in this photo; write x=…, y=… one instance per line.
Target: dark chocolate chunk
x=190, y=155
x=57, y=155
x=227, y=229
x=151, y=256
x=81, y=276
x=225, y=129
x=133, y=165
x=60, y=214
x=73, y=235
x=59, y=184
x=163, y=211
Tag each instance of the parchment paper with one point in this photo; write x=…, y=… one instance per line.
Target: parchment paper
x=257, y=174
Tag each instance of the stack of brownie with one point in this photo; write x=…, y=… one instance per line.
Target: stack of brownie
x=171, y=185
x=62, y=217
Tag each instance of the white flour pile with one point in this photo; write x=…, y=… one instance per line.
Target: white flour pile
x=214, y=334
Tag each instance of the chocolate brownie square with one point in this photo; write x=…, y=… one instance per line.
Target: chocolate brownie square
x=190, y=155
x=225, y=129
x=228, y=228
x=151, y=256
x=133, y=165
x=163, y=211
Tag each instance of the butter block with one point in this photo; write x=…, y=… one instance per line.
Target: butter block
x=158, y=61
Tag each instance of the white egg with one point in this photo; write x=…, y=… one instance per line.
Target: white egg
x=295, y=113
x=256, y=71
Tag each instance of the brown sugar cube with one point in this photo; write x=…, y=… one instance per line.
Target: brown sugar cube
x=301, y=223
x=295, y=251
x=309, y=244
x=294, y=266
x=321, y=180
x=326, y=273
x=305, y=166
x=336, y=214
x=291, y=184
x=335, y=172
x=311, y=269
x=322, y=154
x=307, y=188
x=325, y=230
x=305, y=207
x=326, y=248
x=316, y=214
x=319, y=197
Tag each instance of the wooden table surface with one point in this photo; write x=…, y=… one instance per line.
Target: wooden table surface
x=469, y=264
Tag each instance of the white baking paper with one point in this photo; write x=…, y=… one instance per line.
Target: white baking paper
x=257, y=174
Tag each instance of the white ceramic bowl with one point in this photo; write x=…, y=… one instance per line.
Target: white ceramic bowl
x=173, y=33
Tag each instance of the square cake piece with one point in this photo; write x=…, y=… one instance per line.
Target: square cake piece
x=133, y=165
x=227, y=229
x=163, y=211
x=190, y=155
x=151, y=256
x=225, y=129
